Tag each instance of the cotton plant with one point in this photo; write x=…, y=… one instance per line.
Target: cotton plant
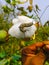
x=23, y=27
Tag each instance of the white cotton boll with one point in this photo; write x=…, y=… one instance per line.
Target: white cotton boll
x=31, y=31
x=15, y=21
x=33, y=21
x=15, y=31
x=25, y=19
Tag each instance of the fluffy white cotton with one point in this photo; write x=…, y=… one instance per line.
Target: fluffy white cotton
x=30, y=31
x=22, y=19
x=15, y=31
x=15, y=21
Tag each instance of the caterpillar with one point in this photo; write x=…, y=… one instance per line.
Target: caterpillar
x=21, y=27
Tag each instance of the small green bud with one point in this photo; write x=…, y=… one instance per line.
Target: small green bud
x=3, y=35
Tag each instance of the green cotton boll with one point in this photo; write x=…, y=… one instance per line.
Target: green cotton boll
x=46, y=63
x=3, y=35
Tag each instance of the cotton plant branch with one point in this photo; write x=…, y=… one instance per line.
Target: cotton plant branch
x=41, y=14
x=37, y=15
x=44, y=11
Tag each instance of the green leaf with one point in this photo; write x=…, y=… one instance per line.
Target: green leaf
x=16, y=57
x=8, y=1
x=14, y=2
x=20, y=8
x=3, y=62
x=24, y=13
x=7, y=9
x=2, y=54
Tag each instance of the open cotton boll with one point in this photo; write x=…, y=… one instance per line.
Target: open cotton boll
x=15, y=21
x=25, y=19
x=14, y=31
x=30, y=31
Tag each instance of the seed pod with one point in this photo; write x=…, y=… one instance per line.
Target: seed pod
x=30, y=8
